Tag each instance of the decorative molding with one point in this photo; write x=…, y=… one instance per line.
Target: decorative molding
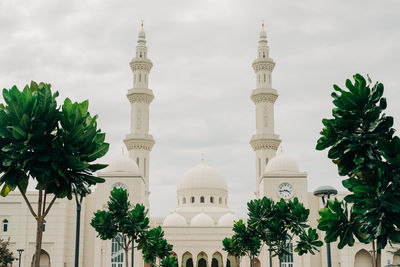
x=262, y=143
x=140, y=97
x=139, y=143
x=141, y=65
x=263, y=65
x=264, y=97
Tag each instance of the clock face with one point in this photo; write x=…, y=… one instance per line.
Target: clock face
x=285, y=190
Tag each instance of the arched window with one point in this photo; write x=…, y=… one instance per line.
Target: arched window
x=263, y=54
x=184, y=200
x=140, y=54
x=137, y=162
x=117, y=253
x=140, y=77
x=192, y=199
x=201, y=199
x=226, y=201
x=5, y=225
x=211, y=199
x=265, y=77
x=220, y=200
x=288, y=259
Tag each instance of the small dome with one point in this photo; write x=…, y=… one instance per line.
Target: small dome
x=174, y=219
x=202, y=176
x=203, y=220
x=123, y=163
x=227, y=220
x=281, y=163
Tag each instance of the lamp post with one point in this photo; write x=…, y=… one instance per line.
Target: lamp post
x=20, y=250
x=323, y=192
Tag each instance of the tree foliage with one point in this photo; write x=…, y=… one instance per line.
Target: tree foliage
x=361, y=142
x=55, y=146
x=6, y=256
x=154, y=246
x=121, y=219
x=277, y=223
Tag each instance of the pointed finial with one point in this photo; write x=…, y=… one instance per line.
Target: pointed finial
x=202, y=158
x=122, y=150
x=141, y=23
x=262, y=24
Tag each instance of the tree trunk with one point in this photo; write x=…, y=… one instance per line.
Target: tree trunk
x=126, y=257
x=39, y=229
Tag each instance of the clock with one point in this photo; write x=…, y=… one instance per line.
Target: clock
x=285, y=190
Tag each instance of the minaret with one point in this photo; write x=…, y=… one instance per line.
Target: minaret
x=265, y=142
x=139, y=142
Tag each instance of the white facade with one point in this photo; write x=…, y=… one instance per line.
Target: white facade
x=202, y=218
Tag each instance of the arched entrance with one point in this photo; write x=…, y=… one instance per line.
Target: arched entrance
x=187, y=260
x=44, y=259
x=202, y=260
x=363, y=259
x=202, y=263
x=231, y=261
x=216, y=260
x=257, y=263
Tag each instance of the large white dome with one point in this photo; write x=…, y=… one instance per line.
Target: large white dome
x=202, y=220
x=227, y=220
x=202, y=176
x=174, y=219
x=281, y=163
x=123, y=163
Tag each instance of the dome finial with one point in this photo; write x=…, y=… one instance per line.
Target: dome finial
x=262, y=24
x=202, y=158
x=141, y=23
x=122, y=150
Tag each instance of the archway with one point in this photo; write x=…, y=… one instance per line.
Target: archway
x=232, y=261
x=44, y=259
x=202, y=259
x=187, y=260
x=362, y=259
x=202, y=263
x=257, y=263
x=216, y=260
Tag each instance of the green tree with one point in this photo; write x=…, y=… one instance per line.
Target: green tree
x=6, y=256
x=233, y=248
x=278, y=223
x=154, y=246
x=245, y=241
x=55, y=146
x=361, y=142
x=120, y=219
x=170, y=261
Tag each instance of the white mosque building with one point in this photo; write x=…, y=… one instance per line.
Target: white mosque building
x=202, y=217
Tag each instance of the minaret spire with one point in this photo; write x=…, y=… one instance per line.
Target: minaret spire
x=265, y=142
x=139, y=142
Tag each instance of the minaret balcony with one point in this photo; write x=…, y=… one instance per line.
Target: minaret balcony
x=141, y=95
x=265, y=141
x=141, y=64
x=139, y=141
x=264, y=95
x=263, y=64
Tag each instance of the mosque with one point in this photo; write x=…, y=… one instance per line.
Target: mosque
x=202, y=217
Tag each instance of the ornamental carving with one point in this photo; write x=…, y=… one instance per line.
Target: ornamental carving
x=141, y=65
x=266, y=116
x=140, y=97
x=259, y=144
x=143, y=144
x=264, y=97
x=263, y=65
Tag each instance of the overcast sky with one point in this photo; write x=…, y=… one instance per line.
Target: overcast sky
x=202, y=76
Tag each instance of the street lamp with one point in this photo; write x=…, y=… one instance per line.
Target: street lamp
x=20, y=250
x=323, y=192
